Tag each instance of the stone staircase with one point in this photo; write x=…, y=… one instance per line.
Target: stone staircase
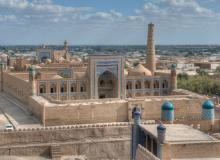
x=55, y=152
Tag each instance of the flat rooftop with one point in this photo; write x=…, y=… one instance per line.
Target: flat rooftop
x=178, y=133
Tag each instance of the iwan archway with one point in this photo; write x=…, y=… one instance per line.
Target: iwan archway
x=107, y=85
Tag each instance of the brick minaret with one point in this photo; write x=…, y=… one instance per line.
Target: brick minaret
x=151, y=58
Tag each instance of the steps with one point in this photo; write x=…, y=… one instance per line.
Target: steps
x=55, y=152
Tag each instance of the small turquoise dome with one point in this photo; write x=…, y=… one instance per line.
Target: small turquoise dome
x=173, y=66
x=31, y=68
x=161, y=127
x=167, y=106
x=208, y=104
x=137, y=113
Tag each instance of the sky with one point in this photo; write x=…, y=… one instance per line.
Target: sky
x=108, y=22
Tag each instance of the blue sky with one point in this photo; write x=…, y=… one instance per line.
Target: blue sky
x=106, y=22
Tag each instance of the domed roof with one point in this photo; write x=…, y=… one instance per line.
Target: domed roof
x=167, y=106
x=161, y=127
x=208, y=104
x=137, y=113
x=56, y=77
x=173, y=66
x=139, y=70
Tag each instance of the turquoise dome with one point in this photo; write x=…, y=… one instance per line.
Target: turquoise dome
x=208, y=104
x=137, y=113
x=31, y=68
x=161, y=127
x=168, y=106
x=173, y=66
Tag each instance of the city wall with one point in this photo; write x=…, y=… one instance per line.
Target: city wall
x=98, y=141
x=118, y=110
x=16, y=86
x=143, y=154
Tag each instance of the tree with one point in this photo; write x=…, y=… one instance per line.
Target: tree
x=217, y=70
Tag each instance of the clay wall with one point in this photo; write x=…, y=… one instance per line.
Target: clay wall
x=143, y=154
x=16, y=86
x=93, y=112
x=191, y=150
x=97, y=141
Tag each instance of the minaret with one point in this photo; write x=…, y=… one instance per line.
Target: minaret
x=151, y=58
x=65, y=45
x=173, y=75
x=32, y=80
x=66, y=48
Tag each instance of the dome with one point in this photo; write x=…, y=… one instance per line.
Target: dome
x=173, y=66
x=56, y=77
x=208, y=104
x=161, y=127
x=167, y=106
x=137, y=113
x=139, y=70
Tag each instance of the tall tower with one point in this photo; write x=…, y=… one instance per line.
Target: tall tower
x=65, y=45
x=151, y=58
x=66, y=48
x=173, y=81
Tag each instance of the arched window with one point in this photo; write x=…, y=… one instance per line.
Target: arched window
x=63, y=87
x=82, y=87
x=156, y=84
x=129, y=85
x=53, y=88
x=42, y=88
x=165, y=84
x=73, y=87
x=137, y=85
x=146, y=84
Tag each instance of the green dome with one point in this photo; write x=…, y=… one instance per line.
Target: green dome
x=167, y=106
x=173, y=66
x=208, y=104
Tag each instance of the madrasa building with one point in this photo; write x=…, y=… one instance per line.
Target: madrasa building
x=103, y=76
x=55, y=86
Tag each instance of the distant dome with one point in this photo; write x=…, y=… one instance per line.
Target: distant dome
x=56, y=77
x=167, y=106
x=139, y=70
x=173, y=66
x=208, y=104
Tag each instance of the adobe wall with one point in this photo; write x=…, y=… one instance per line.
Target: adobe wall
x=111, y=111
x=98, y=141
x=143, y=154
x=16, y=86
x=37, y=107
x=183, y=106
x=91, y=112
x=191, y=150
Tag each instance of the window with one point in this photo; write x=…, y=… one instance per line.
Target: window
x=73, y=87
x=82, y=88
x=42, y=88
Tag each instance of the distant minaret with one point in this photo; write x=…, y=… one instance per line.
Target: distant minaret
x=151, y=58
x=66, y=48
x=65, y=45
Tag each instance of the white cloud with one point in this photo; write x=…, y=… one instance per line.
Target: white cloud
x=7, y=18
x=14, y=4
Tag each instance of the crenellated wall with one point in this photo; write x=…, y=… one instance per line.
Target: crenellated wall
x=96, y=141
x=143, y=154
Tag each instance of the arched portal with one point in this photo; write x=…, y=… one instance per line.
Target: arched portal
x=107, y=85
